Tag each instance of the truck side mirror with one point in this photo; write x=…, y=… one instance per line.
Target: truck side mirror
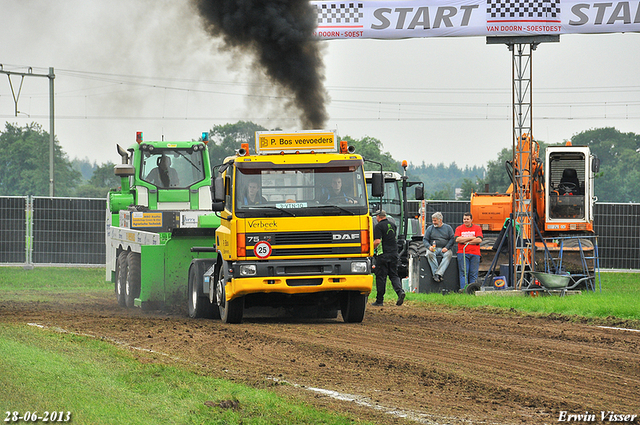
x=419, y=193
x=217, y=192
x=377, y=185
x=595, y=164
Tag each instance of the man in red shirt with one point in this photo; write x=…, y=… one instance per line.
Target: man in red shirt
x=468, y=236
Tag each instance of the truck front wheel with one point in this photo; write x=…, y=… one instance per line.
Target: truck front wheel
x=230, y=311
x=134, y=277
x=121, y=277
x=353, y=305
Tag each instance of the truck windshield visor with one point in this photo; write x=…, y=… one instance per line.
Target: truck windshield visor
x=305, y=191
x=172, y=168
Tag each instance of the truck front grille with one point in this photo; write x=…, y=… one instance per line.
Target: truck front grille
x=303, y=238
x=282, y=252
x=285, y=244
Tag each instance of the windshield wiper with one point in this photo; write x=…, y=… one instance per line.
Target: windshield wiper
x=190, y=162
x=259, y=207
x=338, y=207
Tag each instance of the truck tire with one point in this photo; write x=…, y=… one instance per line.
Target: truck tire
x=353, y=306
x=198, y=305
x=134, y=277
x=416, y=249
x=230, y=311
x=121, y=277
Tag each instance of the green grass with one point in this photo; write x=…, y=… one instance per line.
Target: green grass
x=52, y=279
x=619, y=298
x=102, y=384
x=99, y=383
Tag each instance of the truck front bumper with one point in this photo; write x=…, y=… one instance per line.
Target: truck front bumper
x=299, y=277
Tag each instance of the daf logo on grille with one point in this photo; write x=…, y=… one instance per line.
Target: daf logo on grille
x=346, y=236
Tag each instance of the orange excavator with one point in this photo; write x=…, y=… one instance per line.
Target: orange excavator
x=548, y=208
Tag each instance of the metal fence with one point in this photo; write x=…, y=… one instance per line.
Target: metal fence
x=71, y=231
x=618, y=230
x=13, y=230
x=39, y=231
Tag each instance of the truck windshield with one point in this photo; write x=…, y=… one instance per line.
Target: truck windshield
x=172, y=168
x=391, y=200
x=300, y=192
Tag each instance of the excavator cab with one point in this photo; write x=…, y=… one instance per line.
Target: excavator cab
x=568, y=187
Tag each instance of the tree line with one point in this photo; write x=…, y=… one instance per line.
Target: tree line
x=24, y=164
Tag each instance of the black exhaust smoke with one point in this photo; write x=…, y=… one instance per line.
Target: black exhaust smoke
x=280, y=35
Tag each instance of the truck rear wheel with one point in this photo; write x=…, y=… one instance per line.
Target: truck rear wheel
x=353, y=306
x=230, y=311
x=121, y=277
x=134, y=277
x=416, y=249
x=199, y=306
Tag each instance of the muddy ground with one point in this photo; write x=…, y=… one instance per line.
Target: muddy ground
x=409, y=364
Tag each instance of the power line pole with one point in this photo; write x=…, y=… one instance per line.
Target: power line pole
x=16, y=97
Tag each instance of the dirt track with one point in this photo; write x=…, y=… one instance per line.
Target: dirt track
x=409, y=364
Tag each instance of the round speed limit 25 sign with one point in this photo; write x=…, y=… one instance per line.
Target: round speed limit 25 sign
x=262, y=250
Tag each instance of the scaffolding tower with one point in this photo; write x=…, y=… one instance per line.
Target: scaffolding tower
x=523, y=230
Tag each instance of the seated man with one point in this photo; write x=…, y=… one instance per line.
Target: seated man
x=439, y=239
x=252, y=196
x=335, y=194
x=163, y=175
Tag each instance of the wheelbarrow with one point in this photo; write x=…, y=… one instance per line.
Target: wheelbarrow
x=553, y=282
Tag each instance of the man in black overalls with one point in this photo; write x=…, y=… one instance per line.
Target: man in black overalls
x=386, y=259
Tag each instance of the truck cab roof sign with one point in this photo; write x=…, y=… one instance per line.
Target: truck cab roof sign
x=275, y=142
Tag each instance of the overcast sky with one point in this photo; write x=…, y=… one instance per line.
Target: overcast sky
x=124, y=66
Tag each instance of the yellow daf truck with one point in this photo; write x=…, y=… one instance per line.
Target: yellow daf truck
x=295, y=229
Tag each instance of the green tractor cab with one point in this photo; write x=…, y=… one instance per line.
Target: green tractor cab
x=158, y=221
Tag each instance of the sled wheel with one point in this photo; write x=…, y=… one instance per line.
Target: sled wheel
x=121, y=277
x=132, y=282
x=199, y=306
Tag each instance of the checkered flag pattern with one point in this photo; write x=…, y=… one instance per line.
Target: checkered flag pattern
x=339, y=13
x=534, y=9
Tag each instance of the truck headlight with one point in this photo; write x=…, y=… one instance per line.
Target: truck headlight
x=248, y=270
x=359, y=267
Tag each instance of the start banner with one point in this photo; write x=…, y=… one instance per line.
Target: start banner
x=461, y=18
